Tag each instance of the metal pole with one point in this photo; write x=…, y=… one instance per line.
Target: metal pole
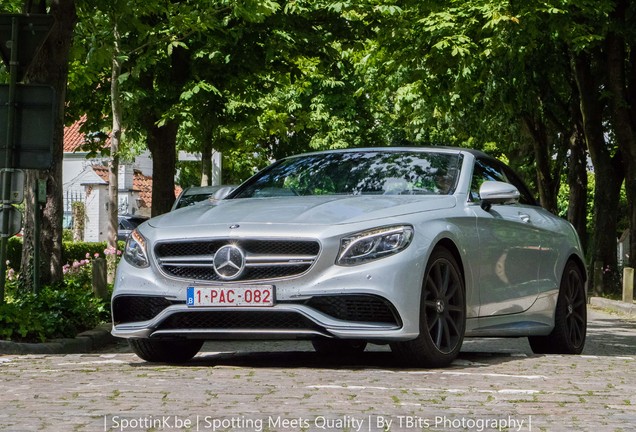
x=8, y=163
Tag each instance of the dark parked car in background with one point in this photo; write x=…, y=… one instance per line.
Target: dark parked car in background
x=195, y=194
x=127, y=223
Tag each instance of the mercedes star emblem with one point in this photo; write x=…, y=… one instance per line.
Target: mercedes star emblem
x=229, y=262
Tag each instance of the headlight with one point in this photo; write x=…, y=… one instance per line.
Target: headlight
x=374, y=244
x=135, y=251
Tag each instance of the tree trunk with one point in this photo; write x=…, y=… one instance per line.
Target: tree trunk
x=28, y=260
x=162, y=145
x=113, y=171
x=547, y=183
x=115, y=139
x=623, y=117
x=206, y=160
x=79, y=220
x=608, y=172
x=577, y=181
x=162, y=140
x=50, y=67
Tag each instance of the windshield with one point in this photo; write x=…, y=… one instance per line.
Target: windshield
x=357, y=173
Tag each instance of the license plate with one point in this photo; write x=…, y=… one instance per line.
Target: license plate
x=262, y=295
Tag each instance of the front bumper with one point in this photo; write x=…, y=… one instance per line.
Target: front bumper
x=283, y=321
x=378, y=302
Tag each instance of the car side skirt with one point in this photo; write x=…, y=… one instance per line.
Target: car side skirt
x=538, y=320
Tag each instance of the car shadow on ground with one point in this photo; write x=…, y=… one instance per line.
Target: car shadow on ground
x=612, y=341
x=294, y=359
x=366, y=360
x=606, y=337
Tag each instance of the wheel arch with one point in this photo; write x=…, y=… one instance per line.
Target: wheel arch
x=579, y=263
x=450, y=245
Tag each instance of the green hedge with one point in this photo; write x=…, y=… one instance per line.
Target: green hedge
x=55, y=312
x=71, y=251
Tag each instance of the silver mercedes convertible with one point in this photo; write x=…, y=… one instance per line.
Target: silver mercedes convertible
x=412, y=247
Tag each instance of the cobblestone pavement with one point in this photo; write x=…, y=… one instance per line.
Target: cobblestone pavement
x=284, y=386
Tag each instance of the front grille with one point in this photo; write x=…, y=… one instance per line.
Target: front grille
x=262, y=247
x=262, y=273
x=360, y=308
x=230, y=320
x=138, y=308
x=264, y=259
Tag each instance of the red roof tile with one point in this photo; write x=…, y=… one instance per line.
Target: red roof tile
x=102, y=172
x=143, y=184
x=74, y=139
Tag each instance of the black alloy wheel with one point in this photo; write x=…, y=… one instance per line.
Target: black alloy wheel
x=442, y=315
x=570, y=317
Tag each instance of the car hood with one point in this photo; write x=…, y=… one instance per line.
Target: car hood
x=314, y=210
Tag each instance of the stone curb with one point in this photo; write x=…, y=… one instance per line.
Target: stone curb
x=84, y=342
x=614, y=305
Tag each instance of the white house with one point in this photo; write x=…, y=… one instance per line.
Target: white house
x=86, y=180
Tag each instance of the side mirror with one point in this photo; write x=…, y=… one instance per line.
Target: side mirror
x=495, y=192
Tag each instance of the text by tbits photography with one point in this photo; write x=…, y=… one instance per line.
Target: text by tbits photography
x=370, y=423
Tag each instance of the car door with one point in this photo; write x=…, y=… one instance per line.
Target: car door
x=510, y=246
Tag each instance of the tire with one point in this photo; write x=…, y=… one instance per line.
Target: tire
x=165, y=350
x=442, y=315
x=570, y=317
x=338, y=347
